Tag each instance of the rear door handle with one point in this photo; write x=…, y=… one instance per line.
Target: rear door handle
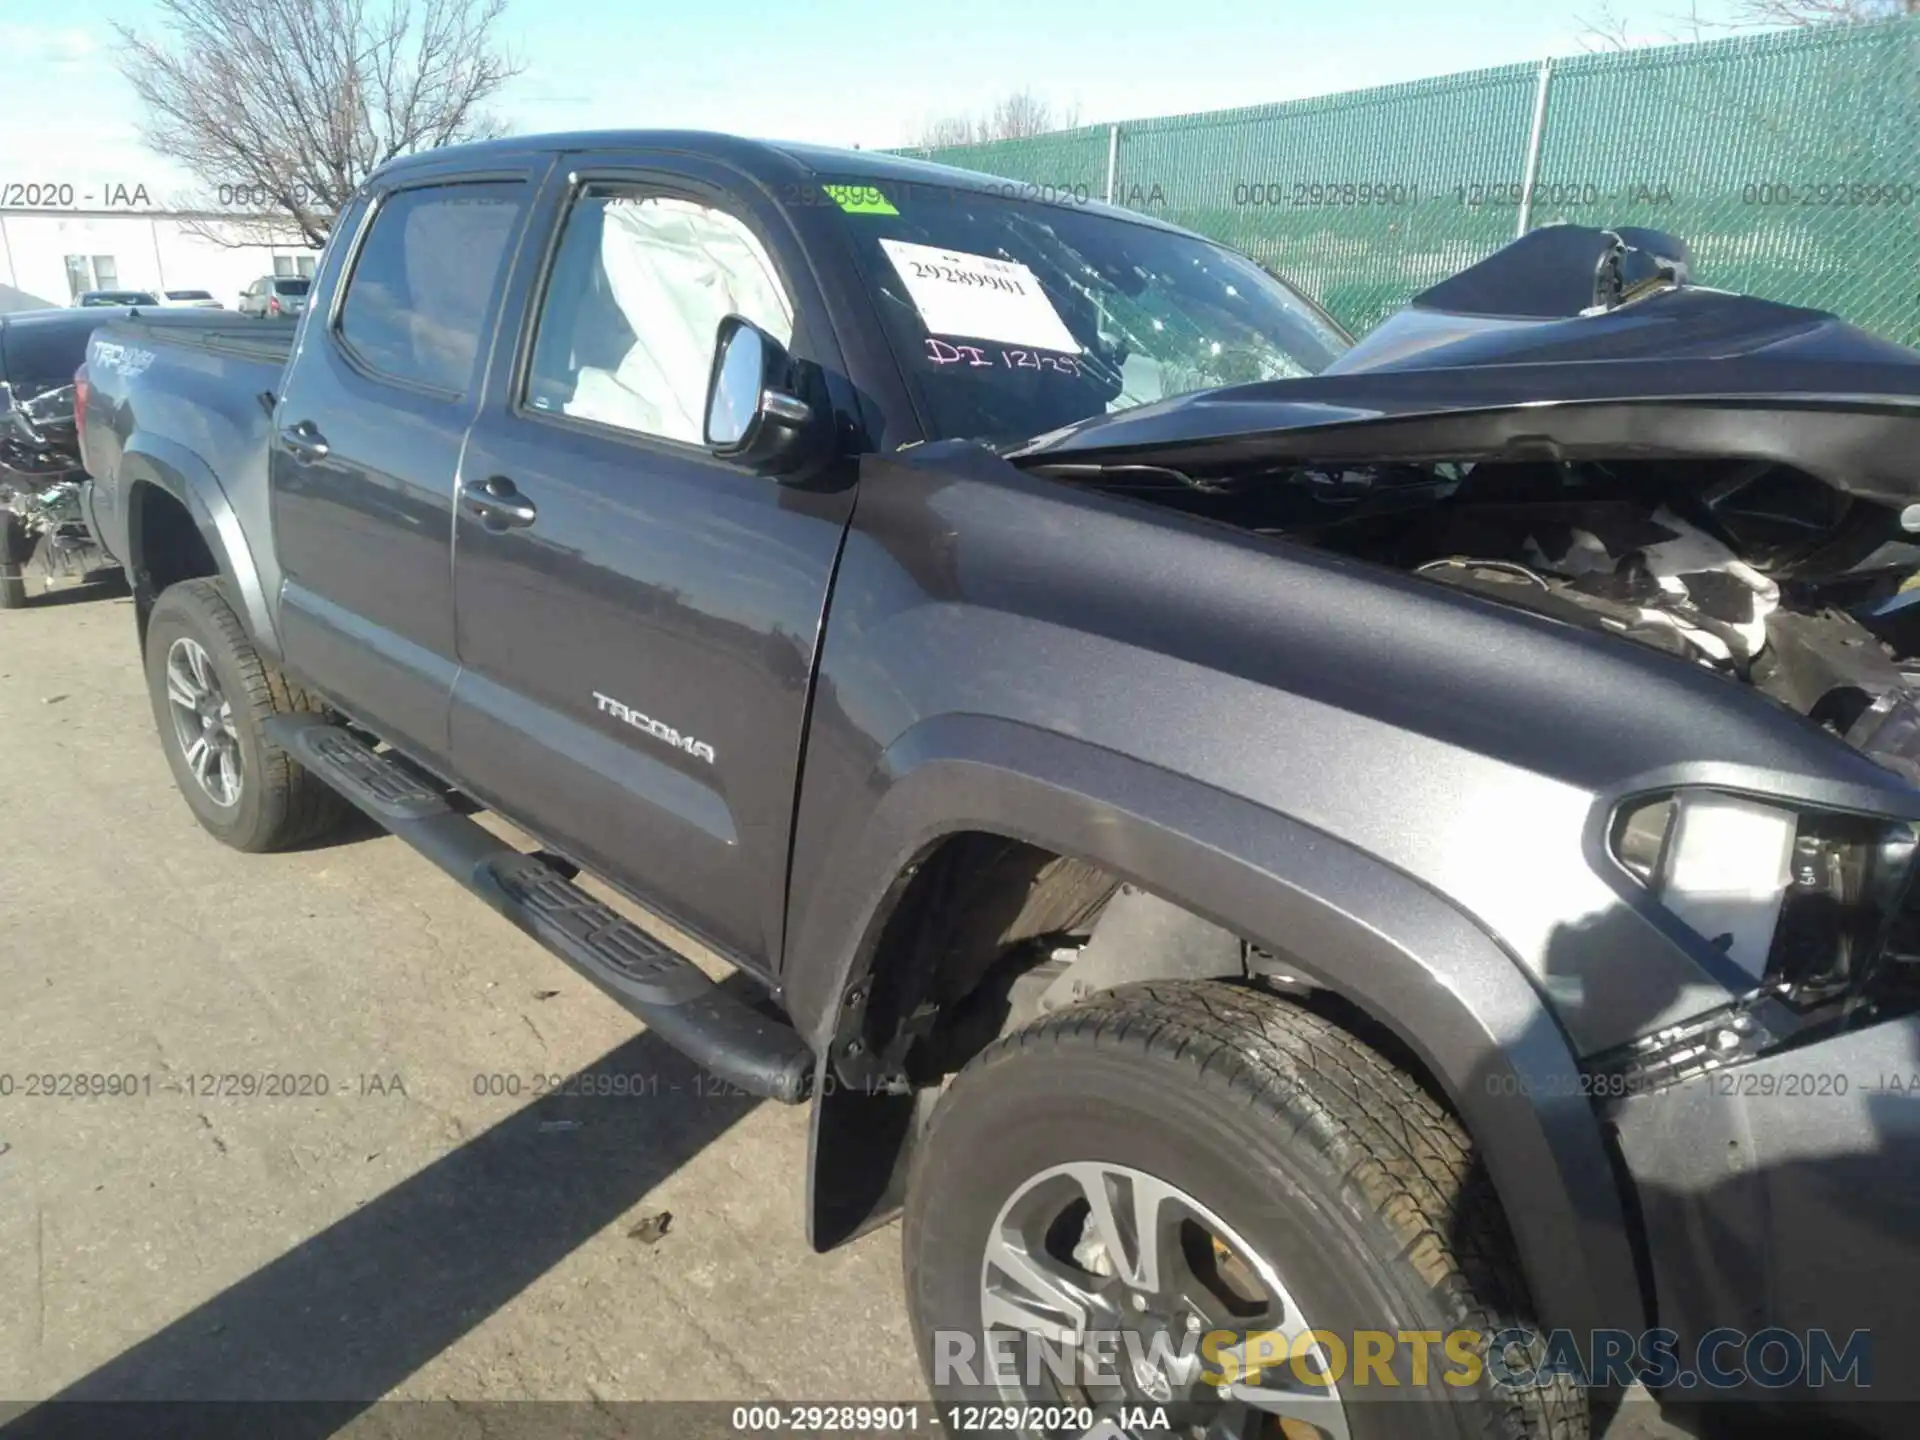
x=305, y=440
x=497, y=503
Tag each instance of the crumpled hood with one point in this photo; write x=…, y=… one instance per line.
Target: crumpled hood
x=1680, y=371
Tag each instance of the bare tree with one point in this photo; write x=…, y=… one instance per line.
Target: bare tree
x=1607, y=30
x=1805, y=13
x=281, y=108
x=945, y=131
x=1018, y=116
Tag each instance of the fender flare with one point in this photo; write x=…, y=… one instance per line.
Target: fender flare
x=1405, y=955
x=177, y=471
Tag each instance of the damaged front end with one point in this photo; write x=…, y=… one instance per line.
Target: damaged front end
x=1572, y=428
x=1731, y=483
x=1754, y=571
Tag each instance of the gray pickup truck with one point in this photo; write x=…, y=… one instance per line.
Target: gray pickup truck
x=1290, y=860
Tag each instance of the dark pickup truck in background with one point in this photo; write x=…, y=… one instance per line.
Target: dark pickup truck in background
x=1231, y=828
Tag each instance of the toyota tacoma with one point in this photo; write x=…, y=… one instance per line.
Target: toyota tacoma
x=1233, y=831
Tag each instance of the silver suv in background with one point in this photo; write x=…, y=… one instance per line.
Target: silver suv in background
x=273, y=295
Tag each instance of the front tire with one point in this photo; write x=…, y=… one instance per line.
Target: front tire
x=1191, y=1158
x=211, y=691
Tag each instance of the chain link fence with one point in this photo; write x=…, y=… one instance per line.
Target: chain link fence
x=1789, y=162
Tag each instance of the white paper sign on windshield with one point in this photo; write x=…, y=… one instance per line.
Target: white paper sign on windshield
x=979, y=297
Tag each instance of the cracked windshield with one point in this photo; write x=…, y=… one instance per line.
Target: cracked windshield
x=1013, y=316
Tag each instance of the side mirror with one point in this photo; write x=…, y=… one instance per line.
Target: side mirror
x=753, y=420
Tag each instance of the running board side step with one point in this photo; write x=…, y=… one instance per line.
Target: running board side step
x=679, y=1002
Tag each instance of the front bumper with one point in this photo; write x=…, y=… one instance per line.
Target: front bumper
x=1781, y=1194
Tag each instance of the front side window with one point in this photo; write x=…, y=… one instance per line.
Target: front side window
x=425, y=279
x=632, y=308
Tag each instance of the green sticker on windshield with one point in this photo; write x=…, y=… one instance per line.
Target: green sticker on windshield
x=860, y=200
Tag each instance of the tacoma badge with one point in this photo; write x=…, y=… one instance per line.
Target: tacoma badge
x=699, y=749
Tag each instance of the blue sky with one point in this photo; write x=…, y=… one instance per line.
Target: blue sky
x=838, y=71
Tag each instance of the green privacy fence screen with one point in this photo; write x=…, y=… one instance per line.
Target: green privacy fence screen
x=1789, y=162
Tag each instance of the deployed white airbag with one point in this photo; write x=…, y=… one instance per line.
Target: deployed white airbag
x=676, y=270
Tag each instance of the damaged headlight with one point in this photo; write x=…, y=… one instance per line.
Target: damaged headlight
x=1803, y=900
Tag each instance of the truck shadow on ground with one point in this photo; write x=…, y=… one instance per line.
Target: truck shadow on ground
x=347, y=1315
x=93, y=590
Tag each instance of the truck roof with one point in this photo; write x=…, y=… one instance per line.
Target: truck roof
x=772, y=161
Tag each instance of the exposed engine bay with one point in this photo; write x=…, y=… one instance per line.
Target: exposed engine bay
x=1754, y=570
x=40, y=479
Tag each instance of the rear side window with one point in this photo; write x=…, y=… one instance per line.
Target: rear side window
x=425, y=278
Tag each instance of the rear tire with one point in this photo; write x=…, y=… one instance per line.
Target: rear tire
x=1329, y=1171
x=246, y=791
x=16, y=548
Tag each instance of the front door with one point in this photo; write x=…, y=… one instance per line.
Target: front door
x=636, y=620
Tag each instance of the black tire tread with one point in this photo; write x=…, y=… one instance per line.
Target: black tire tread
x=1400, y=1155
x=15, y=552
x=300, y=805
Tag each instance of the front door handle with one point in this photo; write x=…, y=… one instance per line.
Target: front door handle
x=497, y=503
x=305, y=440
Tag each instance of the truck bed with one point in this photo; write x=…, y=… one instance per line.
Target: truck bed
x=218, y=331
x=198, y=373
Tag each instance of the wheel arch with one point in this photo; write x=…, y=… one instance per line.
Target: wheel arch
x=170, y=496
x=1399, y=953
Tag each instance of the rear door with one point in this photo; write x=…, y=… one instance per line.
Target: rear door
x=636, y=650
x=367, y=440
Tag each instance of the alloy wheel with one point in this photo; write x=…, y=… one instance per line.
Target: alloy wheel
x=1120, y=1282
x=203, y=721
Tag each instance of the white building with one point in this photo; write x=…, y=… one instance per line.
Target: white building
x=59, y=239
